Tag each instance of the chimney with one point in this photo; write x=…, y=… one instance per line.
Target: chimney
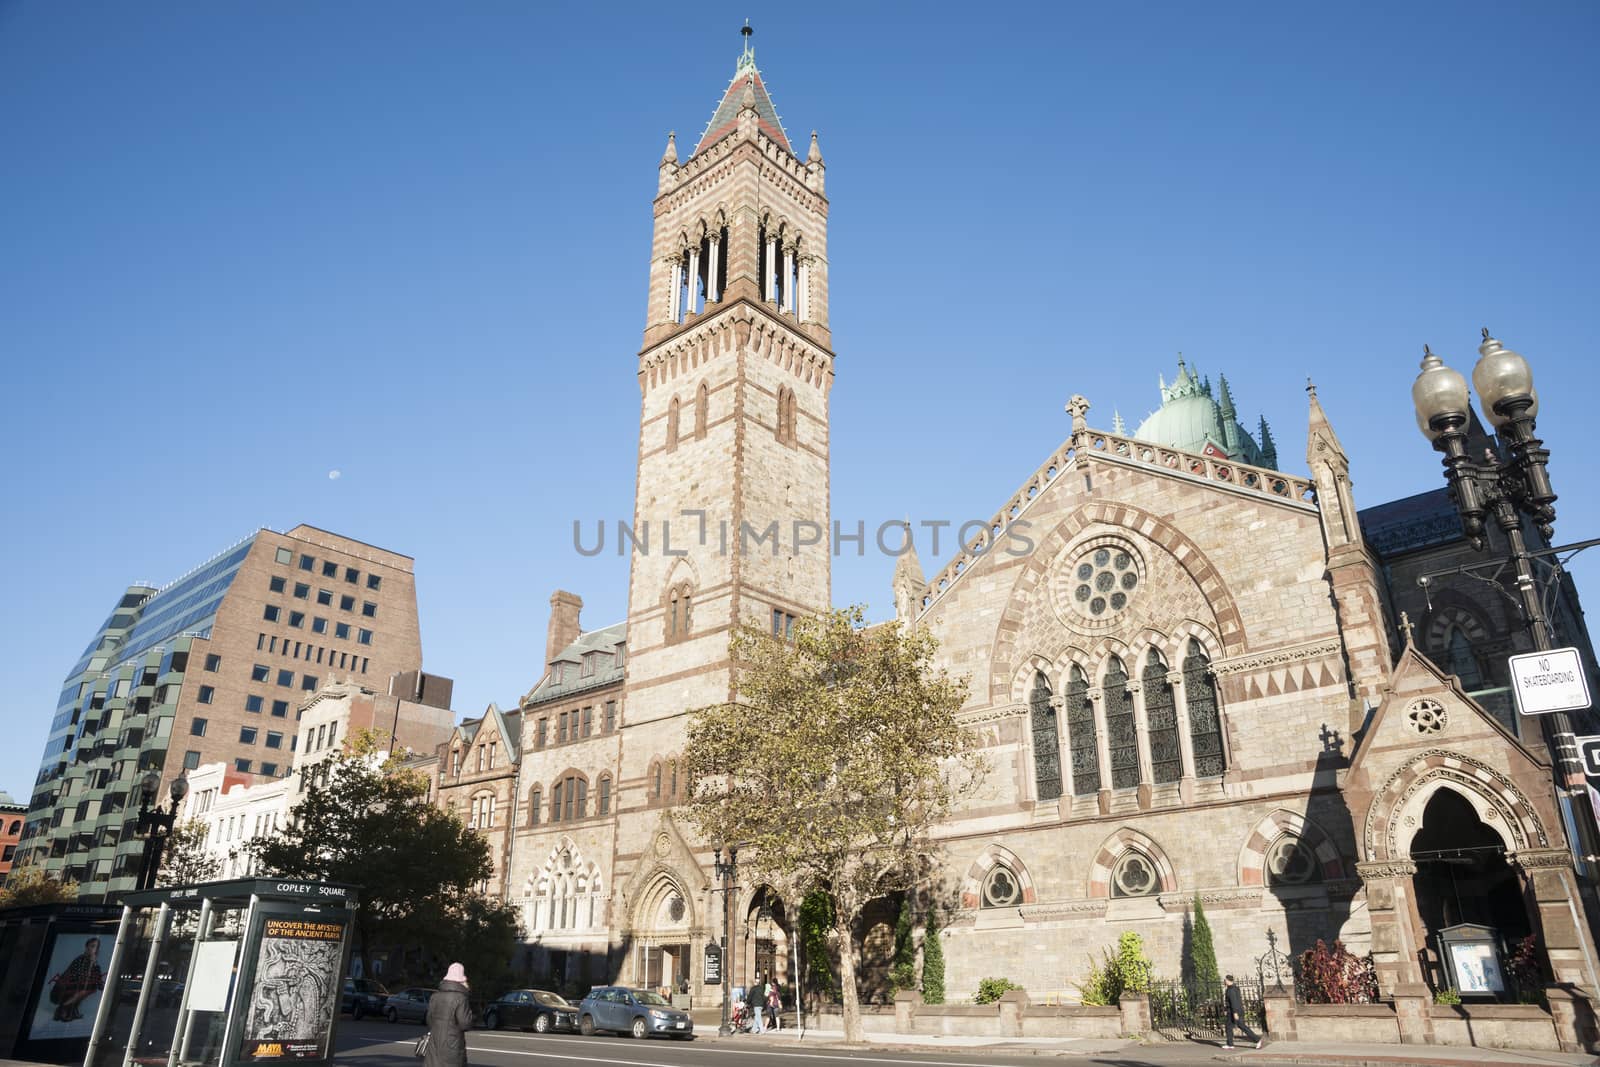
x=564, y=629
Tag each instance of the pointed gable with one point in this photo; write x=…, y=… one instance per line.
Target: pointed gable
x=726, y=118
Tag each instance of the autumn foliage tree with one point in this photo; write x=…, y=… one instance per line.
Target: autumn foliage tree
x=29, y=884
x=838, y=754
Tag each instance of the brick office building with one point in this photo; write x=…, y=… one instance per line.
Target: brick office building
x=210, y=668
x=11, y=819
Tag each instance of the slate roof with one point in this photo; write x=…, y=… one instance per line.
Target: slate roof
x=1411, y=523
x=726, y=118
x=604, y=642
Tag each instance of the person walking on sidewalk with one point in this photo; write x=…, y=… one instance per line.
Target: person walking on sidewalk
x=1233, y=1014
x=757, y=999
x=449, y=1019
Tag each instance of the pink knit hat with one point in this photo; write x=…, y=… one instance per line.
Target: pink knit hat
x=456, y=973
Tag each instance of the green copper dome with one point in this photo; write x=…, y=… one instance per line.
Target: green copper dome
x=1191, y=418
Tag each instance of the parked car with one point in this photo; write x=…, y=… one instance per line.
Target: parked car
x=632, y=1011
x=362, y=996
x=524, y=1008
x=408, y=1005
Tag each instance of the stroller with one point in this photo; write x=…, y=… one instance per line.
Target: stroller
x=740, y=1020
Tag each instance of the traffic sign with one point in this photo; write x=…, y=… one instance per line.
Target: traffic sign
x=1589, y=756
x=1549, y=681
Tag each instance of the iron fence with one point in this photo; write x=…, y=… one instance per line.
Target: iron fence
x=1196, y=1009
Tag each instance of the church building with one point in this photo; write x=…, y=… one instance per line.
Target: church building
x=1196, y=687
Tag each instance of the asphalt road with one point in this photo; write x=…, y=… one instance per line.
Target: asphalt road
x=377, y=1044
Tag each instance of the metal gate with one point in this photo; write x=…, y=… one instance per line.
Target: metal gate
x=1195, y=1009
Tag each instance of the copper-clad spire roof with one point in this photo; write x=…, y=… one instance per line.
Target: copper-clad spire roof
x=726, y=118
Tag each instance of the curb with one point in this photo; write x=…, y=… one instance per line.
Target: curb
x=1325, y=1060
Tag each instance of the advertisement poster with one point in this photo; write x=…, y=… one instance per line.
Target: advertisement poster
x=295, y=995
x=1477, y=969
x=72, y=985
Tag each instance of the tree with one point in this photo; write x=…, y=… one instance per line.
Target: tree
x=903, y=971
x=368, y=822
x=932, y=962
x=29, y=884
x=835, y=758
x=1202, y=955
x=184, y=859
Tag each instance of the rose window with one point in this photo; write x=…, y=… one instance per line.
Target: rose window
x=1426, y=716
x=1001, y=889
x=1103, y=581
x=1134, y=876
x=1290, y=862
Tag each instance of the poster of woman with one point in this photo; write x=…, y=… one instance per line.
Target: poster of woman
x=71, y=993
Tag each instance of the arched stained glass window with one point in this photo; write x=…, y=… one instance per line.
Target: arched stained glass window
x=1205, y=723
x=1046, y=740
x=1121, y=735
x=1161, y=714
x=1081, y=736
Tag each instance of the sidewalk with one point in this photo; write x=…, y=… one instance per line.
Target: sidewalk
x=1343, y=1054
x=789, y=1036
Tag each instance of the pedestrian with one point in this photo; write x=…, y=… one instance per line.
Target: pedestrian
x=757, y=999
x=449, y=1019
x=774, y=1004
x=1233, y=1014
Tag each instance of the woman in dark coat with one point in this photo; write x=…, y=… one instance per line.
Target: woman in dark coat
x=449, y=1019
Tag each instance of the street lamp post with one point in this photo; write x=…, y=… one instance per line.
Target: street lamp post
x=727, y=873
x=1488, y=489
x=156, y=824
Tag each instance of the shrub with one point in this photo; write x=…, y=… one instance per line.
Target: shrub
x=992, y=989
x=1337, y=976
x=932, y=963
x=1202, y=955
x=1447, y=996
x=903, y=970
x=1527, y=971
x=1129, y=971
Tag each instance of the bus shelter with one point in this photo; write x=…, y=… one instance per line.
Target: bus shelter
x=223, y=974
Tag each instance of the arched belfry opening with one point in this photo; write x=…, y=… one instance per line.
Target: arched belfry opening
x=1463, y=876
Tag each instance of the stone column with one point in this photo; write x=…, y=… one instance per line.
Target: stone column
x=772, y=270
x=1141, y=733
x=802, y=290
x=1392, y=907
x=713, y=270
x=694, y=278
x=1280, y=1015
x=1058, y=702
x=788, y=280
x=675, y=294
x=1552, y=887
x=1135, y=1008
x=1013, y=1002
x=1102, y=744
x=1180, y=705
x=906, y=1003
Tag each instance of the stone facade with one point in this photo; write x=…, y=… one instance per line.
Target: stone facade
x=1185, y=671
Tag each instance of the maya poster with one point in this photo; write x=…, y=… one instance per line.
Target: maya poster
x=295, y=994
x=72, y=986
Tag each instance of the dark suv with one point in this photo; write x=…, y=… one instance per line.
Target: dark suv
x=632, y=1011
x=362, y=996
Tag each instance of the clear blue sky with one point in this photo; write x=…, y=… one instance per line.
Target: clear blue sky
x=242, y=245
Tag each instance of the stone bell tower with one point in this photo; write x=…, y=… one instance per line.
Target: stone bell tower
x=731, y=506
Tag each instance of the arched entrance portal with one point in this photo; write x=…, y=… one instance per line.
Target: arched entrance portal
x=662, y=937
x=1463, y=876
x=766, y=938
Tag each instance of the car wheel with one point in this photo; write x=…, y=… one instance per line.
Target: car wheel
x=491, y=1021
x=586, y=1026
x=641, y=1029
x=542, y=1024
x=392, y=1015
